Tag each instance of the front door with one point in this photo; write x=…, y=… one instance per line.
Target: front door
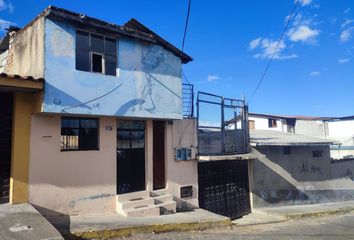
x=158, y=155
x=6, y=105
x=130, y=156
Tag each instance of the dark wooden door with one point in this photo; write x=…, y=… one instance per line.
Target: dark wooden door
x=6, y=106
x=223, y=187
x=130, y=156
x=159, y=181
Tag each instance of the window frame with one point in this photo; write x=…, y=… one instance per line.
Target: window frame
x=270, y=121
x=102, y=63
x=97, y=148
x=91, y=52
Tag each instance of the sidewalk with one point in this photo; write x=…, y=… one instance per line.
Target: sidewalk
x=24, y=222
x=279, y=214
x=113, y=225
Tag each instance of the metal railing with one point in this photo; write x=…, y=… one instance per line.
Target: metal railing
x=229, y=136
x=188, y=100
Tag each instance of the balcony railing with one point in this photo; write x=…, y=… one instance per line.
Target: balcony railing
x=188, y=100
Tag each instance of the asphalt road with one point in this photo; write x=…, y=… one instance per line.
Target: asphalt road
x=331, y=227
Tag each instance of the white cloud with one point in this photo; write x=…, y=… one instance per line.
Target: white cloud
x=267, y=48
x=303, y=2
x=5, y=24
x=347, y=10
x=255, y=43
x=343, y=60
x=303, y=34
x=346, y=34
x=346, y=22
x=6, y=6
x=212, y=78
x=314, y=73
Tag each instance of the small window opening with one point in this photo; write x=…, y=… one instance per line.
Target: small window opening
x=317, y=153
x=286, y=150
x=97, y=61
x=272, y=123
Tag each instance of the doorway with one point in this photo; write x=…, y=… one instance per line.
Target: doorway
x=6, y=112
x=130, y=156
x=159, y=181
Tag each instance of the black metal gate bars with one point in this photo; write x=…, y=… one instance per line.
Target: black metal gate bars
x=223, y=187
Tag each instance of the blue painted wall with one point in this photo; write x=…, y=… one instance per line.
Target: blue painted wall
x=148, y=76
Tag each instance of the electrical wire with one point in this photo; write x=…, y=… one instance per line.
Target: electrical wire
x=296, y=5
x=111, y=91
x=186, y=25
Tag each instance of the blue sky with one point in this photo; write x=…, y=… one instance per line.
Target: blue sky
x=231, y=42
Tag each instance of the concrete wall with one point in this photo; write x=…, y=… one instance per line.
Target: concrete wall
x=299, y=178
x=148, y=75
x=75, y=181
x=182, y=134
x=26, y=54
x=310, y=128
x=85, y=181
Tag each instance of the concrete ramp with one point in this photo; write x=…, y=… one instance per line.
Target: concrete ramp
x=24, y=222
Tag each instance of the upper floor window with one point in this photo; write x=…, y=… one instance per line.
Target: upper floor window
x=96, y=53
x=272, y=123
x=79, y=134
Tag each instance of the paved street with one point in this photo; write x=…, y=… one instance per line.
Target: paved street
x=331, y=227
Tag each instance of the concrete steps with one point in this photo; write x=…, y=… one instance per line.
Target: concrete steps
x=144, y=203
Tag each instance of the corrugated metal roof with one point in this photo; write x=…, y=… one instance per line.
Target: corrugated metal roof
x=289, y=116
x=275, y=138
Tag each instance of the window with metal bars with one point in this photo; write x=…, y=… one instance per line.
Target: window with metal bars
x=79, y=134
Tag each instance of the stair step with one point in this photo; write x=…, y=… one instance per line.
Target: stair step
x=168, y=207
x=134, y=195
x=133, y=203
x=163, y=198
x=158, y=192
x=142, y=211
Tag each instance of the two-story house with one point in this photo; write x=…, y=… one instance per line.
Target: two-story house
x=97, y=125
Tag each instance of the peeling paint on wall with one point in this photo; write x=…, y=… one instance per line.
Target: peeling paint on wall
x=73, y=202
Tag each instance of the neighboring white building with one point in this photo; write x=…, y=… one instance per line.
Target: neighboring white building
x=340, y=130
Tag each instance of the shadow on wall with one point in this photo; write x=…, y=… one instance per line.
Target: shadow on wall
x=298, y=179
x=60, y=221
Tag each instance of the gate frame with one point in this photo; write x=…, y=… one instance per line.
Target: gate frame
x=227, y=103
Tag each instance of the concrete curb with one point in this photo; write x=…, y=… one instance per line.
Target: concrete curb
x=319, y=213
x=158, y=228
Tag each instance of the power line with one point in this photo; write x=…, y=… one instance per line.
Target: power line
x=186, y=25
x=275, y=50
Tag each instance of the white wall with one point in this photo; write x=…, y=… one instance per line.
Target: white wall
x=342, y=132
x=261, y=123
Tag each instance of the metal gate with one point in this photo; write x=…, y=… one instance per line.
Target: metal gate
x=224, y=188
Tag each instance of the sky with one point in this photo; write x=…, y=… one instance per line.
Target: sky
x=231, y=43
